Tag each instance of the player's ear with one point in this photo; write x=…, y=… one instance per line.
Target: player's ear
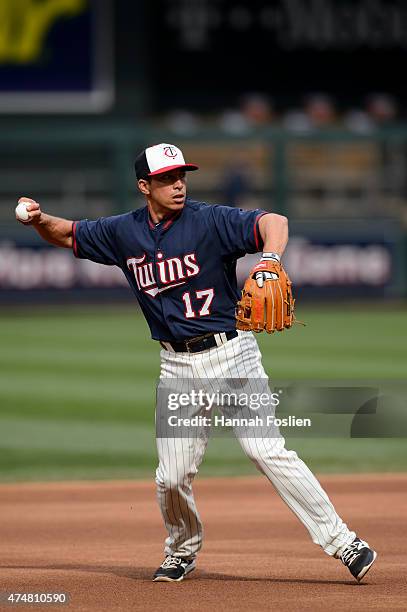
x=144, y=186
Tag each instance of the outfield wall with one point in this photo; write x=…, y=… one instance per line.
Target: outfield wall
x=358, y=260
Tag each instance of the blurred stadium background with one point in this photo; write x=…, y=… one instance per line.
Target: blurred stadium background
x=294, y=106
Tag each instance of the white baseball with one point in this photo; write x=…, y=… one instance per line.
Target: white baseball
x=22, y=212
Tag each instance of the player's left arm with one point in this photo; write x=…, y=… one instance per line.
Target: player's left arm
x=267, y=302
x=273, y=230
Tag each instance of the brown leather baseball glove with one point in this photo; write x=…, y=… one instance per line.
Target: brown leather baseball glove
x=267, y=302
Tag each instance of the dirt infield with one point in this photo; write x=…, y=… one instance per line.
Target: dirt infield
x=100, y=542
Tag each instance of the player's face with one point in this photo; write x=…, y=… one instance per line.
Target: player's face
x=166, y=191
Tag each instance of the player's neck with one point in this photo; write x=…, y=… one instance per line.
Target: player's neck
x=159, y=214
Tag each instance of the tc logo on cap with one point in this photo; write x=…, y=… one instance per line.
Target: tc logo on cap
x=160, y=158
x=170, y=152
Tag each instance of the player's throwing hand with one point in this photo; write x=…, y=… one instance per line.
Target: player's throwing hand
x=28, y=211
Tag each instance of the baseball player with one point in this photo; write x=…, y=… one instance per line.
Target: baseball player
x=179, y=257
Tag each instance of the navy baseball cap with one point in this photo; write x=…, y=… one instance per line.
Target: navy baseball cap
x=160, y=158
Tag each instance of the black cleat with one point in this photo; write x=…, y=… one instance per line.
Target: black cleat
x=173, y=569
x=359, y=558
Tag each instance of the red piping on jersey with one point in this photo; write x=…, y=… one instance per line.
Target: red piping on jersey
x=256, y=234
x=168, y=223
x=74, y=245
x=150, y=223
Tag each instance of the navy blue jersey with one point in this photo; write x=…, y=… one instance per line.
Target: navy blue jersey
x=182, y=270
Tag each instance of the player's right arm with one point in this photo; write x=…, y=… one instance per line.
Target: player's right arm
x=54, y=230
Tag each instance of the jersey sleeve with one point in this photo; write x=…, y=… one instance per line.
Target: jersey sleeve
x=238, y=230
x=96, y=240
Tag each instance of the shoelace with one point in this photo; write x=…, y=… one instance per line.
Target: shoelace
x=171, y=562
x=352, y=552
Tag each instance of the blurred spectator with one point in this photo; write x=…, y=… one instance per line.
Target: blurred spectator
x=359, y=121
x=183, y=122
x=296, y=121
x=255, y=111
x=319, y=112
x=382, y=109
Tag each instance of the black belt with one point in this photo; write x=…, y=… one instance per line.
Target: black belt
x=199, y=343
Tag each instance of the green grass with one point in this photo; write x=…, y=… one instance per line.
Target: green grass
x=77, y=390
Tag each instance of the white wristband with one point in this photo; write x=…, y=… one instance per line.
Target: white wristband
x=274, y=256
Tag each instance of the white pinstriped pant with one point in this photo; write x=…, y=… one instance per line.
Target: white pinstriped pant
x=180, y=458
